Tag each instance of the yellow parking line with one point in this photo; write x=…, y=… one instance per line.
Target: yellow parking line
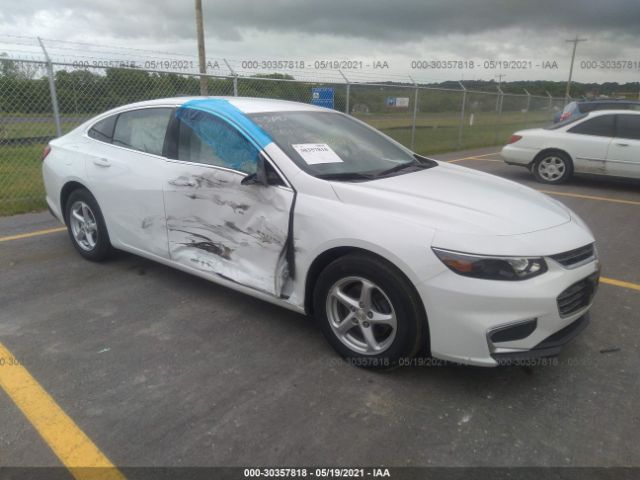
x=620, y=283
x=472, y=157
x=74, y=449
x=33, y=234
x=591, y=197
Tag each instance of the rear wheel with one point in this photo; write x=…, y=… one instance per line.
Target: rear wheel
x=553, y=167
x=86, y=226
x=369, y=312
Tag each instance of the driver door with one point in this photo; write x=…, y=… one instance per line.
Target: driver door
x=215, y=223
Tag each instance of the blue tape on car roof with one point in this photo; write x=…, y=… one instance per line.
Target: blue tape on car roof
x=224, y=109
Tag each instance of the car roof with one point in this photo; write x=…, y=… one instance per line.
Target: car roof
x=611, y=100
x=246, y=105
x=595, y=113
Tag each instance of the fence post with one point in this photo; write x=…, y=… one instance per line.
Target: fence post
x=498, y=113
x=52, y=90
x=415, y=114
x=528, y=99
x=526, y=112
x=346, y=108
x=550, y=100
x=461, y=126
x=234, y=75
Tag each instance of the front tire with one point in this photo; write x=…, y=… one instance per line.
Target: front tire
x=369, y=311
x=86, y=226
x=552, y=168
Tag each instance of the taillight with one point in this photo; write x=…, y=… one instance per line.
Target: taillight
x=45, y=152
x=514, y=138
x=564, y=116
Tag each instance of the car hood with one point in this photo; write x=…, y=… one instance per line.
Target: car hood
x=458, y=199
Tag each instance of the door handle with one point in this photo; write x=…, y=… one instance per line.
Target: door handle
x=101, y=162
x=180, y=182
x=622, y=144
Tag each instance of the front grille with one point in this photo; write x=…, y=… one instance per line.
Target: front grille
x=577, y=296
x=574, y=257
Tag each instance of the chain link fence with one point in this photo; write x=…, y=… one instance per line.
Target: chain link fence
x=39, y=100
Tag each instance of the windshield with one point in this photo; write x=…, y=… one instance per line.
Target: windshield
x=332, y=145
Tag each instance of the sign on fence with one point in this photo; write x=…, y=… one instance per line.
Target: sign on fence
x=322, y=97
x=398, y=102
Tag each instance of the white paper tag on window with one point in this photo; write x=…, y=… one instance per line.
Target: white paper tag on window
x=314, y=153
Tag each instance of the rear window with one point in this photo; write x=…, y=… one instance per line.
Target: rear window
x=601, y=126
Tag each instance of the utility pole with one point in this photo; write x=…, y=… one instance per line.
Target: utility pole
x=575, y=42
x=202, y=60
x=52, y=89
x=499, y=76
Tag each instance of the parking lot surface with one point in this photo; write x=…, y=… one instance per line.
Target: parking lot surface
x=159, y=368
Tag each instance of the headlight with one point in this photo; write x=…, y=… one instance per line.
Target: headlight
x=492, y=268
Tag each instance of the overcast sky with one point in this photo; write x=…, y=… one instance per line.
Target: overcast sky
x=398, y=32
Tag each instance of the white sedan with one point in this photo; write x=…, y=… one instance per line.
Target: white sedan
x=393, y=253
x=604, y=142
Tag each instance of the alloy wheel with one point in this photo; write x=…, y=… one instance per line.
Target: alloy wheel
x=83, y=226
x=361, y=315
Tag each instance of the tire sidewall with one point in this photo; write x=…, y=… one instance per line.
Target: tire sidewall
x=408, y=312
x=103, y=244
x=568, y=171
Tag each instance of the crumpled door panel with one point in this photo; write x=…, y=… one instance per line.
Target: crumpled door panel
x=221, y=227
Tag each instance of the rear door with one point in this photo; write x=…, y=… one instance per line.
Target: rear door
x=624, y=153
x=125, y=168
x=215, y=223
x=588, y=143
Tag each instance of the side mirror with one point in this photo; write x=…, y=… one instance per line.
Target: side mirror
x=259, y=177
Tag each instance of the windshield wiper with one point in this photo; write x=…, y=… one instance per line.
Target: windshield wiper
x=414, y=164
x=346, y=176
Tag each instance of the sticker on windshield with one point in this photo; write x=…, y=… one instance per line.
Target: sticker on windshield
x=314, y=153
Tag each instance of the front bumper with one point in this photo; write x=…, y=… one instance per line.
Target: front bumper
x=463, y=312
x=549, y=347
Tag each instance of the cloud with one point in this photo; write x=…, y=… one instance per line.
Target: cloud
x=399, y=21
x=394, y=30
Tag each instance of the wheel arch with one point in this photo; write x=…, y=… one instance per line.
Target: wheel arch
x=67, y=189
x=325, y=258
x=547, y=151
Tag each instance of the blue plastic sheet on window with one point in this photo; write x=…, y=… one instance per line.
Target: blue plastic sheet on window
x=227, y=144
x=224, y=109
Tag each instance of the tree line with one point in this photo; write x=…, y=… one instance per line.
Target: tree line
x=24, y=88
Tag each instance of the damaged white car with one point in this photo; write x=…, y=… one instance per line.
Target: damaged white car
x=308, y=208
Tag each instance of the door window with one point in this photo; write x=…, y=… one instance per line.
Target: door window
x=601, y=126
x=142, y=130
x=204, y=138
x=628, y=127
